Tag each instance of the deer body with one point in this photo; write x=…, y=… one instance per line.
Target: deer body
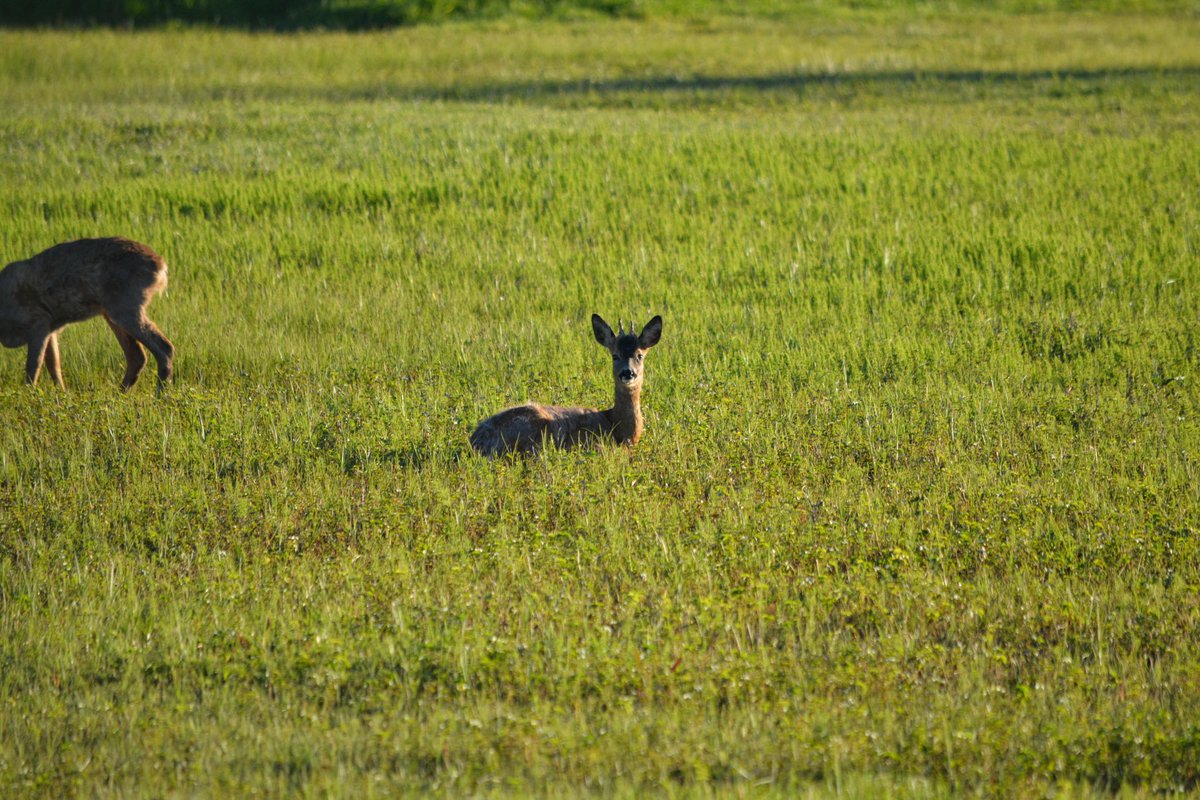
x=74, y=281
x=524, y=429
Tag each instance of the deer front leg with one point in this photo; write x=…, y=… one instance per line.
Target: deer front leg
x=53, y=363
x=33, y=359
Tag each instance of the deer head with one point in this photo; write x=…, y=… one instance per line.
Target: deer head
x=628, y=349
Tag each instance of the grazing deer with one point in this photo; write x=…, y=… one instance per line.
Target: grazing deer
x=524, y=429
x=76, y=281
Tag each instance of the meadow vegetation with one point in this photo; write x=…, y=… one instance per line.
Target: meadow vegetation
x=916, y=510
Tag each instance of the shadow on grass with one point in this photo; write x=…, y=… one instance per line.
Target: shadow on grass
x=788, y=84
x=407, y=458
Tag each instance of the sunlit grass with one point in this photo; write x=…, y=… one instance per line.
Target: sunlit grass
x=916, y=508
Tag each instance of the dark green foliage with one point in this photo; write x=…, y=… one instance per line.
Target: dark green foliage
x=342, y=14
x=374, y=14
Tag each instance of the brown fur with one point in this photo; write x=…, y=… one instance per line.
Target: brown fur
x=71, y=282
x=525, y=429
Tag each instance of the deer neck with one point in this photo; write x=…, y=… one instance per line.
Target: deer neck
x=12, y=320
x=625, y=417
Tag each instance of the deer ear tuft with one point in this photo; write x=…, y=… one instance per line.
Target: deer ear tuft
x=651, y=333
x=603, y=331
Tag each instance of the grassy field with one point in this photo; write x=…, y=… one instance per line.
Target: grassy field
x=916, y=511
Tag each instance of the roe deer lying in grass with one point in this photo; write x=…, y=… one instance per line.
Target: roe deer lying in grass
x=76, y=281
x=523, y=429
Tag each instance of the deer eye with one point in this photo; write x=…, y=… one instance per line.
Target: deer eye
x=639, y=357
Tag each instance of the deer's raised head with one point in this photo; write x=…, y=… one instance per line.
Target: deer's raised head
x=628, y=349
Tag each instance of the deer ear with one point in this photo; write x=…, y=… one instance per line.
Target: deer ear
x=650, y=334
x=603, y=332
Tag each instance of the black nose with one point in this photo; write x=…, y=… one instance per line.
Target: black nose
x=628, y=375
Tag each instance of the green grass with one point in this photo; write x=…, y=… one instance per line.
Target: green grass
x=916, y=508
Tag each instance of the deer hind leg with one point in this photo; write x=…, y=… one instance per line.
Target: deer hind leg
x=139, y=326
x=485, y=440
x=53, y=361
x=135, y=359
x=35, y=356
